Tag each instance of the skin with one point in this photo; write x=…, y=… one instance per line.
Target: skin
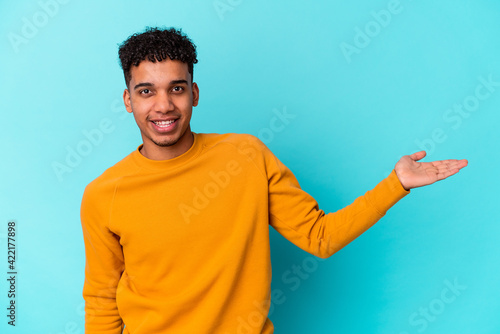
x=163, y=90
x=413, y=174
x=160, y=91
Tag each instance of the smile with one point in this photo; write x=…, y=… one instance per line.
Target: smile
x=165, y=127
x=163, y=124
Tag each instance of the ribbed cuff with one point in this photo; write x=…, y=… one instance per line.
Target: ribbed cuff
x=387, y=193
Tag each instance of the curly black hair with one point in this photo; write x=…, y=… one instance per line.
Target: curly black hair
x=156, y=44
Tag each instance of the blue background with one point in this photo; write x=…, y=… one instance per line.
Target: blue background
x=355, y=114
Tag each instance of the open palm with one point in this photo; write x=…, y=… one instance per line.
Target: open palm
x=414, y=174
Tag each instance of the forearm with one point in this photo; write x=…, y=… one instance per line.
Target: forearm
x=101, y=311
x=308, y=227
x=345, y=225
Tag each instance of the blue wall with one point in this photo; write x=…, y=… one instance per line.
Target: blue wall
x=365, y=82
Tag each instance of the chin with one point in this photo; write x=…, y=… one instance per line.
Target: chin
x=166, y=143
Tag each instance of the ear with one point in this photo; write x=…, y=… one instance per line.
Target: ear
x=196, y=94
x=126, y=100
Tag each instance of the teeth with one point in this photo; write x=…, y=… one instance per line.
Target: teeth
x=163, y=123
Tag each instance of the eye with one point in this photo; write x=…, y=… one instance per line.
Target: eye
x=144, y=91
x=178, y=89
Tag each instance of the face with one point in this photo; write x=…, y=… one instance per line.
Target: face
x=161, y=98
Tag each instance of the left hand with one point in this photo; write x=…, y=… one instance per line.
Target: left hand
x=413, y=174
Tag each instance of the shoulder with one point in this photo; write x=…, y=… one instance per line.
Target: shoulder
x=106, y=183
x=211, y=139
x=242, y=142
x=247, y=149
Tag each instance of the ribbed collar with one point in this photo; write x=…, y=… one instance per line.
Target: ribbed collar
x=193, y=151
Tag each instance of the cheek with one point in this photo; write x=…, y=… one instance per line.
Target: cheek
x=140, y=111
x=138, y=119
x=141, y=107
x=185, y=104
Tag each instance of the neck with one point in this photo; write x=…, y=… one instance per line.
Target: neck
x=155, y=152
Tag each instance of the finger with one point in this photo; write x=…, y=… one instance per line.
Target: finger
x=461, y=162
x=445, y=174
x=446, y=165
x=443, y=162
x=418, y=155
x=442, y=169
x=451, y=164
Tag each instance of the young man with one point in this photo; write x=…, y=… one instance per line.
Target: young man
x=177, y=233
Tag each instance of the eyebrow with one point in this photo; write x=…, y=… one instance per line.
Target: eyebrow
x=143, y=84
x=149, y=84
x=176, y=82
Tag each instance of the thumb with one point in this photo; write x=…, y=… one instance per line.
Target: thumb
x=418, y=155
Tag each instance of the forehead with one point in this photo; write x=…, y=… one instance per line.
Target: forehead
x=159, y=72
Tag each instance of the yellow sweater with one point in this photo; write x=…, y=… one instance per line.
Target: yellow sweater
x=182, y=245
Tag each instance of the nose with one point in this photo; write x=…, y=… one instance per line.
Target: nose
x=163, y=102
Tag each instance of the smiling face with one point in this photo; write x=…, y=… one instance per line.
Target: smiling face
x=161, y=97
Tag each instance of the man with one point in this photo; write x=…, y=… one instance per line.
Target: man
x=176, y=233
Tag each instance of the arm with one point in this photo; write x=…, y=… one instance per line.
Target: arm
x=103, y=267
x=295, y=214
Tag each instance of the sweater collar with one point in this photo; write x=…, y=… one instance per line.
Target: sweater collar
x=193, y=151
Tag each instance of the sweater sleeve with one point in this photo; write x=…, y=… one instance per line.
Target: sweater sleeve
x=103, y=266
x=295, y=214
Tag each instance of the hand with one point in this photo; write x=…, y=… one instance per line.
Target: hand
x=413, y=174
